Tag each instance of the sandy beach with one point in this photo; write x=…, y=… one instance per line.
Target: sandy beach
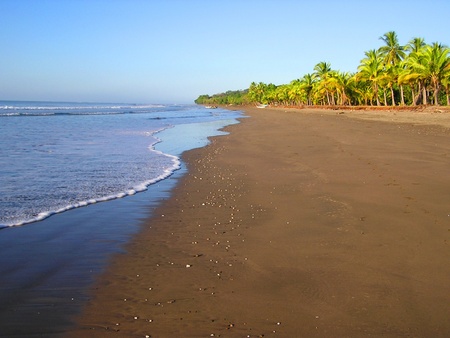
x=299, y=223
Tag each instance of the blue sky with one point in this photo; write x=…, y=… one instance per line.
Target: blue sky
x=171, y=51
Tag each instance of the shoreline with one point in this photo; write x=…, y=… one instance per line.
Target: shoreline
x=298, y=223
x=418, y=115
x=47, y=268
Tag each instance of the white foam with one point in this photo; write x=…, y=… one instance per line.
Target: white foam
x=143, y=186
x=158, y=166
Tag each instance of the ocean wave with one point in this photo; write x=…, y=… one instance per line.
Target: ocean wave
x=73, y=107
x=140, y=187
x=75, y=113
x=110, y=154
x=76, y=109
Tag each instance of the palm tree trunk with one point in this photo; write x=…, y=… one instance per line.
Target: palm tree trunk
x=328, y=98
x=376, y=95
x=424, y=95
x=436, y=94
x=419, y=93
x=392, y=96
x=402, y=96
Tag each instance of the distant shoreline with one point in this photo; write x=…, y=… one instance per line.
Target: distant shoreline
x=426, y=115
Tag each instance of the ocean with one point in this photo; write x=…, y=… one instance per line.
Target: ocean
x=76, y=182
x=58, y=156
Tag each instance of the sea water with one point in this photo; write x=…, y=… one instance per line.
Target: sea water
x=57, y=156
x=77, y=181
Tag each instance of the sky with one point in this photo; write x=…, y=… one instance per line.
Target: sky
x=172, y=51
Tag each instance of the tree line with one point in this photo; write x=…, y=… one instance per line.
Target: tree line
x=234, y=97
x=407, y=75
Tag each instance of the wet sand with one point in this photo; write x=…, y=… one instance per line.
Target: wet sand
x=300, y=223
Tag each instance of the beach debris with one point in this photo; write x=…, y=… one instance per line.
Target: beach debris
x=188, y=265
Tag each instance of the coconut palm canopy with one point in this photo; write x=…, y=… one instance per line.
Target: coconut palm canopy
x=394, y=74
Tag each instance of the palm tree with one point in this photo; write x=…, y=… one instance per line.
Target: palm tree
x=407, y=75
x=261, y=92
x=438, y=67
x=389, y=77
x=371, y=70
x=425, y=69
x=446, y=86
x=256, y=91
x=307, y=82
x=430, y=66
x=322, y=73
x=270, y=93
x=415, y=45
x=404, y=79
x=363, y=90
x=331, y=85
x=415, y=72
x=297, y=92
x=393, y=53
x=341, y=83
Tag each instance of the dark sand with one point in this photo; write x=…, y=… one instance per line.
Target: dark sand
x=304, y=223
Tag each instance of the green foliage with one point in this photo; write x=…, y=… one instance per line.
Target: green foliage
x=231, y=97
x=417, y=73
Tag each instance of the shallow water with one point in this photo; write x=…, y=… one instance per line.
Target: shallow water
x=46, y=267
x=59, y=156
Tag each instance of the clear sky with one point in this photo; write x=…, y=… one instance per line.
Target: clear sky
x=171, y=51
